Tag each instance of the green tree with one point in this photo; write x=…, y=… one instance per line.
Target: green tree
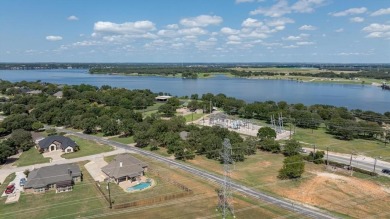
x=293, y=167
x=269, y=144
x=167, y=109
x=316, y=157
x=21, y=139
x=5, y=151
x=36, y=126
x=266, y=133
x=291, y=148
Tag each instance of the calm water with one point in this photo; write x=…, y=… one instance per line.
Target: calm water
x=350, y=96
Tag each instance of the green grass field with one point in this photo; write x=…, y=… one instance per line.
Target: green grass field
x=193, y=116
x=123, y=140
x=87, y=148
x=321, y=139
x=30, y=157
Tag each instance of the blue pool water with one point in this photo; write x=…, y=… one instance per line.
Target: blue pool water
x=140, y=186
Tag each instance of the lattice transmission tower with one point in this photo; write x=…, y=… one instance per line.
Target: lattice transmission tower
x=225, y=198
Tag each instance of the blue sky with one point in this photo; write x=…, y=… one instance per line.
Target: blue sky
x=335, y=31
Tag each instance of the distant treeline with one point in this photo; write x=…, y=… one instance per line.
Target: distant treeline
x=377, y=74
x=186, y=72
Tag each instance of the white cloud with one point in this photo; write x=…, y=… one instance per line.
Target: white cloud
x=73, y=18
x=282, y=7
x=290, y=47
x=339, y=30
x=382, y=11
x=277, y=10
x=280, y=21
x=307, y=27
x=356, y=19
x=233, y=42
x=201, y=21
x=305, y=43
x=306, y=6
x=250, y=22
x=296, y=38
x=229, y=31
x=192, y=31
x=378, y=35
x=375, y=27
x=350, y=11
x=352, y=54
x=167, y=33
x=124, y=28
x=173, y=26
x=53, y=38
x=234, y=38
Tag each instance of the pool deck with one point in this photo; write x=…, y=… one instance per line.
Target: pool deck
x=127, y=184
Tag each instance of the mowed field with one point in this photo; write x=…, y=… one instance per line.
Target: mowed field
x=87, y=202
x=289, y=70
x=348, y=197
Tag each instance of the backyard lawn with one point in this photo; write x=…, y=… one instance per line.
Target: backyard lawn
x=30, y=157
x=193, y=116
x=87, y=147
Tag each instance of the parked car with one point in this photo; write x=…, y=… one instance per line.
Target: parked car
x=22, y=181
x=10, y=189
x=387, y=171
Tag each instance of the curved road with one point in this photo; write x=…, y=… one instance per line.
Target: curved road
x=303, y=210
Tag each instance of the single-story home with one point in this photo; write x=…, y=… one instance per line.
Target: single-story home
x=57, y=142
x=59, y=94
x=125, y=167
x=162, y=98
x=59, y=177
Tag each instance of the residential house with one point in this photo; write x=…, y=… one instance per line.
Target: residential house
x=59, y=94
x=60, y=178
x=57, y=142
x=125, y=167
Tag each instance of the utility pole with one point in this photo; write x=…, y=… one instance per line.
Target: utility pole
x=109, y=194
x=210, y=107
x=350, y=160
x=374, y=165
x=327, y=158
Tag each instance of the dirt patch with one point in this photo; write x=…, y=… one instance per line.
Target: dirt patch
x=348, y=195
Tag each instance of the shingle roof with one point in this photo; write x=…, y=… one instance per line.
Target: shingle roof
x=65, y=141
x=131, y=166
x=58, y=173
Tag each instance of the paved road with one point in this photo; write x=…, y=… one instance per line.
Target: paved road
x=303, y=210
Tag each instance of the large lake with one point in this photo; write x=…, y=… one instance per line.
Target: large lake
x=364, y=97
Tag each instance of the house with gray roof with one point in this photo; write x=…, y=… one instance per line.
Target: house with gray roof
x=59, y=177
x=125, y=167
x=59, y=94
x=57, y=142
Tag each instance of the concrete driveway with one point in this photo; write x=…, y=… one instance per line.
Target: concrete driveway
x=18, y=189
x=54, y=155
x=94, y=168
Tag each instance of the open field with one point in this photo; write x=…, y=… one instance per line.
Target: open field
x=321, y=139
x=124, y=140
x=30, y=157
x=288, y=70
x=87, y=147
x=193, y=116
x=358, y=197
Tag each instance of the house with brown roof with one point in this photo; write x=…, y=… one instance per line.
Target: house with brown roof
x=125, y=167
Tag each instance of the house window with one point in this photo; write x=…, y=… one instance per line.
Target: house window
x=68, y=150
x=64, y=189
x=39, y=190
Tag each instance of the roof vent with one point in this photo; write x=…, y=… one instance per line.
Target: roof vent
x=120, y=164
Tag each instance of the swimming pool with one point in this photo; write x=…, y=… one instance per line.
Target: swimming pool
x=140, y=186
